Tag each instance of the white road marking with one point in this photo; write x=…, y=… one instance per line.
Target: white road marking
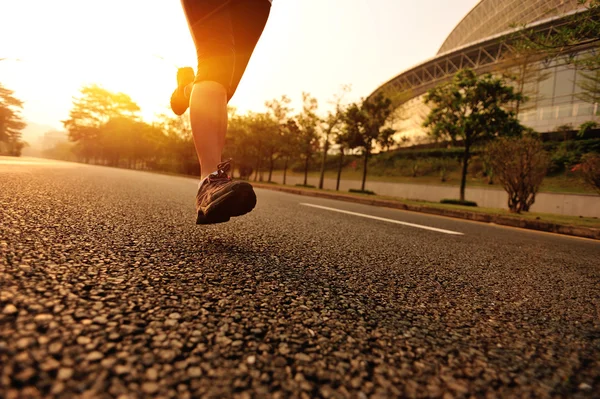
x=384, y=219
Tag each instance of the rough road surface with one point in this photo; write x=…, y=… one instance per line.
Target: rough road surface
x=108, y=289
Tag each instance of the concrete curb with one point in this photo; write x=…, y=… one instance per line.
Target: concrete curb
x=512, y=221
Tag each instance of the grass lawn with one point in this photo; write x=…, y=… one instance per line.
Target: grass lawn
x=551, y=184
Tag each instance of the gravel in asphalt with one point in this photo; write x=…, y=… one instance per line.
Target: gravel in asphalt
x=108, y=289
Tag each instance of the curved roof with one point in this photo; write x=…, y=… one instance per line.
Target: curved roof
x=491, y=17
x=482, y=56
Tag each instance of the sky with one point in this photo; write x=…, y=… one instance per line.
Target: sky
x=55, y=47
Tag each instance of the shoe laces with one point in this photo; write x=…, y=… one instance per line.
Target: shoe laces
x=222, y=171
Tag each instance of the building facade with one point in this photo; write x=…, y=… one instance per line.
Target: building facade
x=481, y=41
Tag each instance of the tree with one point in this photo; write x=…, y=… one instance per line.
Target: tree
x=386, y=138
x=93, y=108
x=289, y=143
x=279, y=111
x=261, y=131
x=11, y=123
x=307, y=122
x=341, y=139
x=365, y=126
x=271, y=133
x=238, y=143
x=177, y=149
x=113, y=140
x=469, y=109
x=520, y=165
x=330, y=123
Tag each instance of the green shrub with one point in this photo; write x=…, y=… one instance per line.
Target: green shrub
x=458, y=202
x=569, y=153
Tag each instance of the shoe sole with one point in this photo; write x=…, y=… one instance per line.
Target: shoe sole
x=239, y=201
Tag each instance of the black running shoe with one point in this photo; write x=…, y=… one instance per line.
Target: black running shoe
x=219, y=198
x=179, y=101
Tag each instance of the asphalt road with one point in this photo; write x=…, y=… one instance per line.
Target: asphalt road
x=109, y=289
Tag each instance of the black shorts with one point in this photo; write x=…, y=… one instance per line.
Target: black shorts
x=225, y=33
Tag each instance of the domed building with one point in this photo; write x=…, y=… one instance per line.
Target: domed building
x=481, y=41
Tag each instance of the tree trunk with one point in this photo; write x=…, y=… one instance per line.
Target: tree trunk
x=364, y=179
x=285, y=166
x=513, y=202
x=270, y=168
x=257, y=169
x=339, y=175
x=257, y=163
x=463, y=180
x=325, y=149
x=527, y=202
x=306, y=171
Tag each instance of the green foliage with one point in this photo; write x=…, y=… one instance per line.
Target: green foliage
x=458, y=202
x=587, y=127
x=470, y=109
x=364, y=123
x=438, y=153
x=308, y=138
x=365, y=126
x=239, y=145
x=62, y=151
x=285, y=139
x=279, y=143
x=368, y=192
x=176, y=152
x=90, y=120
x=11, y=123
x=566, y=154
x=263, y=141
x=581, y=146
x=329, y=126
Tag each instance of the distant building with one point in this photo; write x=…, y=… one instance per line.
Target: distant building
x=479, y=42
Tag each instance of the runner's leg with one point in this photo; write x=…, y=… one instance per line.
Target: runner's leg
x=210, y=25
